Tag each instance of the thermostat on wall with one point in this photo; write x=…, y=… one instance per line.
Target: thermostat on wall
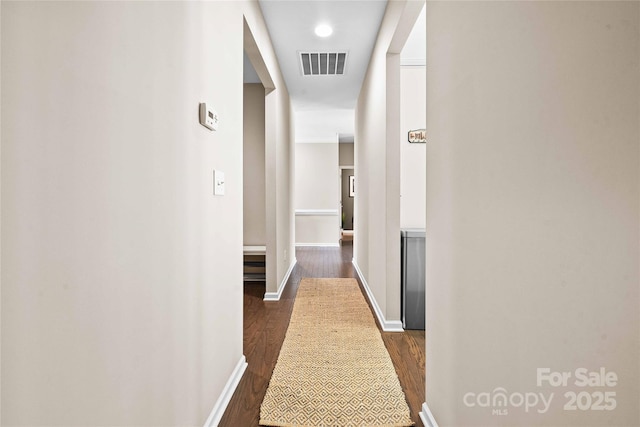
x=208, y=116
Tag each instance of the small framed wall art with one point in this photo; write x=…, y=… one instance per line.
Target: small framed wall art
x=418, y=136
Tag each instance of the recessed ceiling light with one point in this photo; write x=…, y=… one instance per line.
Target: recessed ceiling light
x=324, y=30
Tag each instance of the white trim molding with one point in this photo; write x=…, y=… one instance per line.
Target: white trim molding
x=275, y=296
x=427, y=417
x=324, y=245
x=387, y=325
x=315, y=141
x=317, y=212
x=254, y=250
x=227, y=392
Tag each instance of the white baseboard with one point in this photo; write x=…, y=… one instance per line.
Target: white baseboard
x=427, y=417
x=227, y=392
x=275, y=296
x=387, y=325
x=325, y=245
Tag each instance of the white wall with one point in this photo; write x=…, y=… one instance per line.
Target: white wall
x=377, y=164
x=1, y=315
x=254, y=187
x=322, y=125
x=532, y=205
x=317, y=194
x=121, y=272
x=413, y=104
x=279, y=154
x=281, y=163
x=345, y=154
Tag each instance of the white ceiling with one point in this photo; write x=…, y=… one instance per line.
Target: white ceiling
x=323, y=104
x=355, y=25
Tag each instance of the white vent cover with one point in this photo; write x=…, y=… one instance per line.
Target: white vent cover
x=321, y=64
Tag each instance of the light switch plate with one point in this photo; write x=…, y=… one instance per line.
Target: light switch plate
x=218, y=183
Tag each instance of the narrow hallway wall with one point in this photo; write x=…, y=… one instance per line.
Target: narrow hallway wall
x=254, y=186
x=345, y=154
x=413, y=104
x=377, y=162
x=532, y=210
x=121, y=272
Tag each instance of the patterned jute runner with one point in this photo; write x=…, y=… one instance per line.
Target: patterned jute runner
x=333, y=368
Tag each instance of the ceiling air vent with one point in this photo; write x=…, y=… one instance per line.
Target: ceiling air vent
x=323, y=64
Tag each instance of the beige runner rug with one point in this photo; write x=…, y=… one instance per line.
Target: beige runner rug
x=333, y=368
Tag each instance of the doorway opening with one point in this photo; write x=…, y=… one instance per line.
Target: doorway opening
x=254, y=189
x=347, y=196
x=346, y=180
x=259, y=260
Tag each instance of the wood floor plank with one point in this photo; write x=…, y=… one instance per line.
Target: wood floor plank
x=265, y=325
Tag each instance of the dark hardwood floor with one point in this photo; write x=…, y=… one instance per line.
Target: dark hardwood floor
x=265, y=325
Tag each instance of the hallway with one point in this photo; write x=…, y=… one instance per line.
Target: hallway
x=265, y=325
x=122, y=203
